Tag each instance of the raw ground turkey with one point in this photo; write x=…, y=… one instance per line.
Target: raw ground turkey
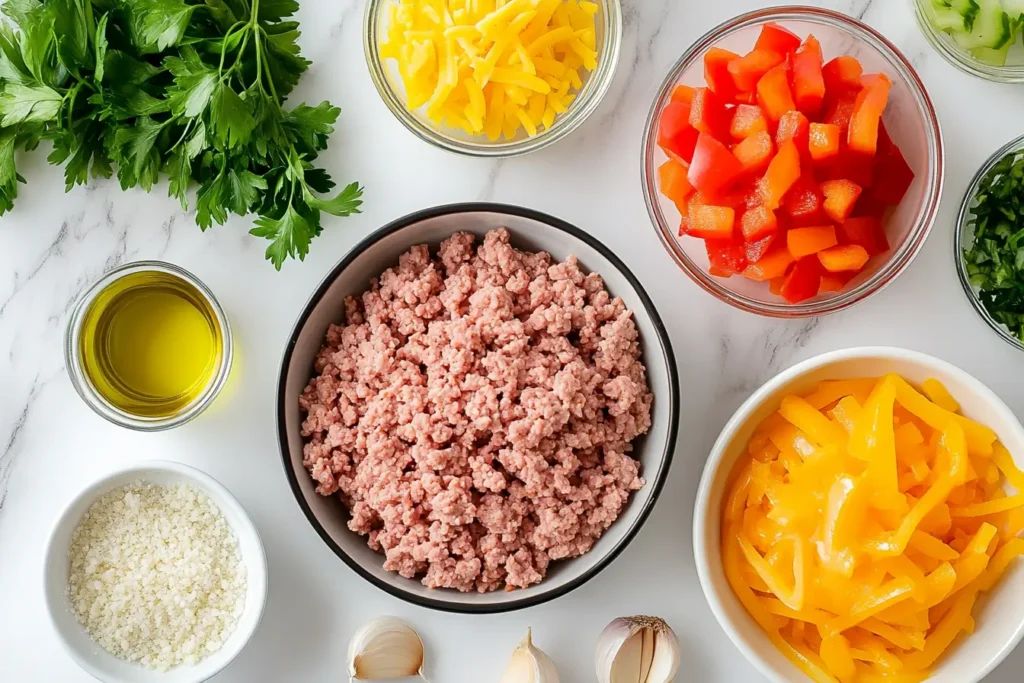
x=475, y=413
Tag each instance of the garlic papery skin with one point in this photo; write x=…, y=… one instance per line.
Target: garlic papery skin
x=637, y=650
x=529, y=664
x=385, y=649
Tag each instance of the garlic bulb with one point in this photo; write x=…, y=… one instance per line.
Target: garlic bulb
x=385, y=649
x=637, y=650
x=529, y=664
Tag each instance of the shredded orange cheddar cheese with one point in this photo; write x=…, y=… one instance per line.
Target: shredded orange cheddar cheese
x=491, y=67
x=863, y=522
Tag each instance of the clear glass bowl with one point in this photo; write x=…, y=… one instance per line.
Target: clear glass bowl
x=910, y=119
x=963, y=238
x=1011, y=72
x=595, y=85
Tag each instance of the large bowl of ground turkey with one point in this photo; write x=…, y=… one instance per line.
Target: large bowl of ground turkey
x=478, y=407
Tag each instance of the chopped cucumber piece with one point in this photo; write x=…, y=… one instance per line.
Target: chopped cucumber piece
x=992, y=28
x=968, y=9
x=989, y=56
x=948, y=19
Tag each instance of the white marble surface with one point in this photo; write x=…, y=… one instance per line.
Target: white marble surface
x=51, y=444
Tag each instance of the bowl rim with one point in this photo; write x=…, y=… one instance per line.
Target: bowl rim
x=896, y=262
x=673, y=398
x=588, y=98
x=740, y=417
x=965, y=226
x=100, y=485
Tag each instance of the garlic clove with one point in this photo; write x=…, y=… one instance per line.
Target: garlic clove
x=384, y=649
x=529, y=664
x=637, y=650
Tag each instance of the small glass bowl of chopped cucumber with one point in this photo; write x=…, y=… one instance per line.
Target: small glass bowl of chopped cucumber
x=989, y=242
x=490, y=79
x=980, y=37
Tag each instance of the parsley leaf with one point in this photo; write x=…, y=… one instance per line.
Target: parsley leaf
x=25, y=103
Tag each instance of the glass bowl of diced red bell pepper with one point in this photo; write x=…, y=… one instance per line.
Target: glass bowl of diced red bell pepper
x=793, y=162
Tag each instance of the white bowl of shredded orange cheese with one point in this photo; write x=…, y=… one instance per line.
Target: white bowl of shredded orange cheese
x=492, y=77
x=861, y=519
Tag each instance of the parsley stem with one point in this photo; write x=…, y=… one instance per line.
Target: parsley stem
x=224, y=47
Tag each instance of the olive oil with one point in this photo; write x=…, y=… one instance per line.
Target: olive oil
x=150, y=344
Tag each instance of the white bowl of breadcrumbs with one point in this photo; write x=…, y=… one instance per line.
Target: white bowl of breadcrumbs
x=155, y=573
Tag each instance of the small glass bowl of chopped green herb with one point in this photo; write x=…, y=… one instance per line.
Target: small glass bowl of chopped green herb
x=980, y=37
x=989, y=242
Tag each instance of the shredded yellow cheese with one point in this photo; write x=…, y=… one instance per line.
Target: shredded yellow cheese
x=491, y=67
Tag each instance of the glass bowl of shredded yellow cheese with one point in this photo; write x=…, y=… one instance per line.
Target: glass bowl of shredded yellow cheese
x=492, y=78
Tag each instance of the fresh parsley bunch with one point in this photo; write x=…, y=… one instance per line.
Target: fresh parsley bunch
x=193, y=89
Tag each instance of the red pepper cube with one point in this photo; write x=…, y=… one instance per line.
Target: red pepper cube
x=782, y=173
x=726, y=256
x=892, y=176
x=716, y=72
x=776, y=38
x=834, y=282
x=808, y=241
x=803, y=281
x=755, y=152
x=839, y=111
x=711, y=222
x=675, y=134
x=682, y=93
x=758, y=222
x=842, y=75
x=862, y=136
x=714, y=169
x=673, y=182
x=773, y=93
x=804, y=202
x=747, y=120
x=840, y=198
x=770, y=266
x=794, y=126
x=708, y=114
x=823, y=142
x=755, y=251
x=747, y=70
x=865, y=231
x=843, y=258
x=808, y=82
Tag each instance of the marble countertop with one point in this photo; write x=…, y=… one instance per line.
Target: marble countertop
x=53, y=245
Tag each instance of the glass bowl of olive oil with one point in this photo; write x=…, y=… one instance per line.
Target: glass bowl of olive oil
x=148, y=347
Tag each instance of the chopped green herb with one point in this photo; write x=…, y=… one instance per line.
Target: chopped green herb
x=190, y=89
x=995, y=262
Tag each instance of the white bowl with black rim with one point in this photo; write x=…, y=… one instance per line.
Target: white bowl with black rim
x=530, y=231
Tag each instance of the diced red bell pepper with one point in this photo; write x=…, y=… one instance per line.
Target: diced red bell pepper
x=708, y=114
x=844, y=257
x=726, y=256
x=716, y=72
x=673, y=182
x=775, y=38
x=772, y=265
x=747, y=119
x=839, y=111
x=803, y=203
x=824, y=141
x=885, y=142
x=675, y=134
x=747, y=70
x=834, y=282
x=808, y=82
x=783, y=171
x=892, y=176
x=794, y=126
x=806, y=241
x=865, y=231
x=711, y=222
x=714, y=168
x=682, y=93
x=842, y=75
x=803, y=280
x=862, y=135
x=775, y=283
x=755, y=152
x=758, y=222
x=867, y=205
x=840, y=198
x=755, y=251
x=773, y=93
x=850, y=165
